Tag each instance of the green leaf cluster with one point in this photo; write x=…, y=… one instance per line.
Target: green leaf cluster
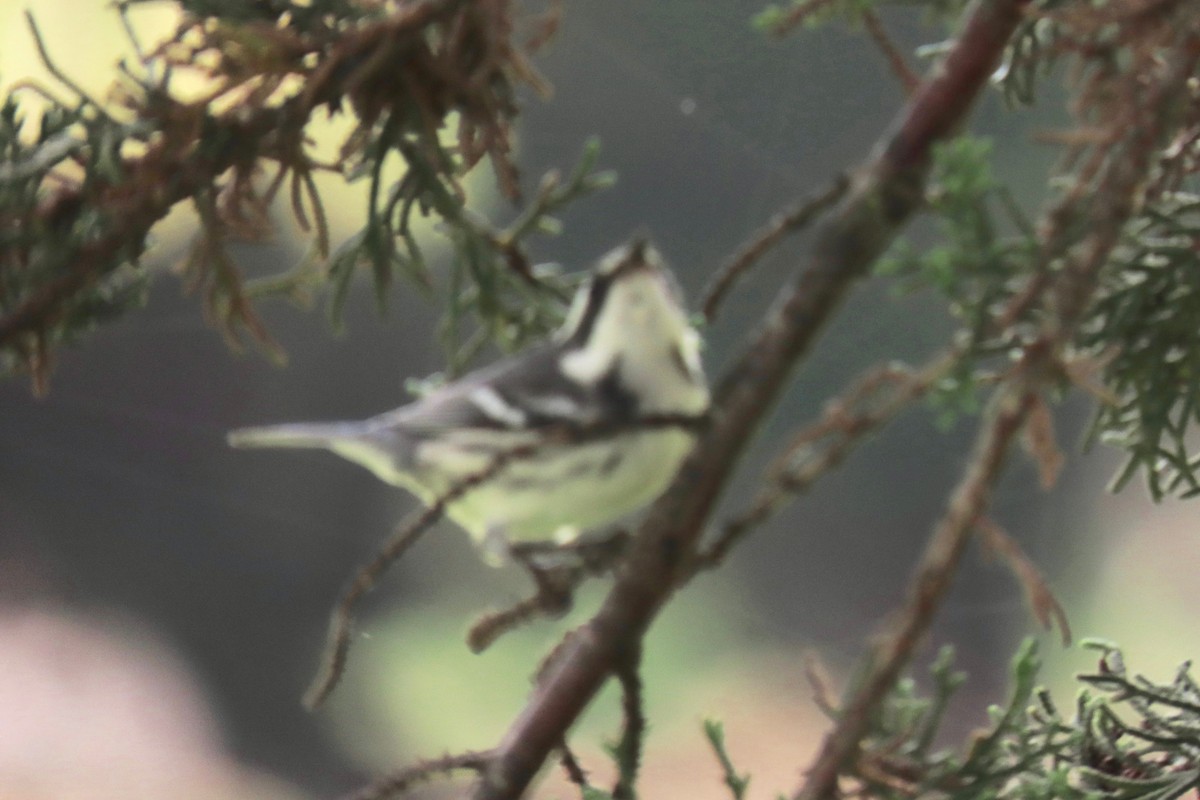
x=975, y=256
x=1129, y=739
x=35, y=240
x=976, y=261
x=1146, y=326
x=493, y=294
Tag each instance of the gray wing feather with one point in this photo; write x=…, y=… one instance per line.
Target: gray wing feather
x=527, y=391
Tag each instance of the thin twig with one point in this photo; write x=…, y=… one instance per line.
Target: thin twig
x=53, y=69
x=1042, y=603
x=791, y=220
x=570, y=764
x=818, y=680
x=736, y=782
x=553, y=596
x=798, y=14
x=899, y=66
x=341, y=624
x=1042, y=446
x=628, y=749
x=554, y=586
x=402, y=782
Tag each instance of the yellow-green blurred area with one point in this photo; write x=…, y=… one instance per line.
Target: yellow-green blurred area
x=163, y=600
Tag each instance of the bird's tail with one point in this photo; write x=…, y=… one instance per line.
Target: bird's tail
x=324, y=435
x=383, y=450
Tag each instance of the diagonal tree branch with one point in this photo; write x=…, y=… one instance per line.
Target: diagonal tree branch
x=882, y=197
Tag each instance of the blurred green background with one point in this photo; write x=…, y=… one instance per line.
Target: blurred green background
x=163, y=600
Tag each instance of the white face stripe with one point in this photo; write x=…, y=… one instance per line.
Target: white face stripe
x=489, y=401
x=575, y=312
x=587, y=365
x=689, y=350
x=553, y=405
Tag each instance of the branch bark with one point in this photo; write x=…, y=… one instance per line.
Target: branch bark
x=883, y=195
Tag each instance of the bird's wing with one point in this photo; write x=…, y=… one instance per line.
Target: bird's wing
x=528, y=391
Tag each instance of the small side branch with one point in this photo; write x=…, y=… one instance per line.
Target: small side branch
x=791, y=220
x=341, y=626
x=402, y=782
x=736, y=782
x=571, y=766
x=895, y=58
x=1042, y=603
x=628, y=749
x=554, y=586
x=869, y=404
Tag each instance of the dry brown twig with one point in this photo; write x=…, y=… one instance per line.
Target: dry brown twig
x=1042, y=603
x=554, y=585
x=402, y=782
x=570, y=764
x=909, y=79
x=823, y=696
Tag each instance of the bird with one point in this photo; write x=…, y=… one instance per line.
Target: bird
x=625, y=352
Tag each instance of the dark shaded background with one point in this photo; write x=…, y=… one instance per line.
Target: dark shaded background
x=118, y=495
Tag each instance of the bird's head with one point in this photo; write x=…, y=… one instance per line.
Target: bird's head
x=631, y=310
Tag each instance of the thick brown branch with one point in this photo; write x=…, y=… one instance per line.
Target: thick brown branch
x=881, y=199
